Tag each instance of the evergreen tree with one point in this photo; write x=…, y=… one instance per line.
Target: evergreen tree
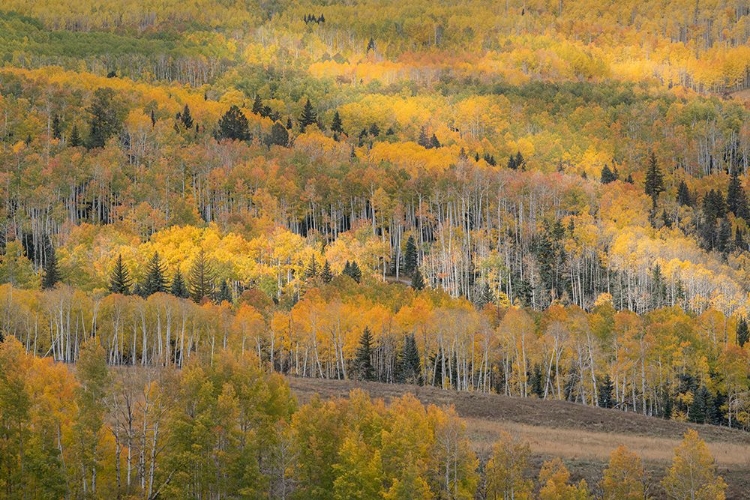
x=56, y=127
x=326, y=275
x=311, y=271
x=606, y=393
x=234, y=126
x=537, y=381
x=423, y=140
x=257, y=105
x=684, y=197
x=370, y=45
x=104, y=122
x=51, y=270
x=279, y=135
x=119, y=279
x=363, y=358
x=75, y=138
x=156, y=279
x=736, y=197
x=289, y=124
x=336, y=125
x=520, y=161
x=484, y=296
x=179, y=287
x=743, y=332
x=308, y=117
x=411, y=370
x=714, y=206
x=512, y=162
x=186, y=118
x=417, y=281
x=201, y=278
x=654, y=179
x=724, y=238
x=701, y=410
x=352, y=270
x=410, y=256
x=153, y=119
x=374, y=130
x=739, y=241
x=607, y=175
x=434, y=143
x=225, y=293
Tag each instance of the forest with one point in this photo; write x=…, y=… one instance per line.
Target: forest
x=542, y=199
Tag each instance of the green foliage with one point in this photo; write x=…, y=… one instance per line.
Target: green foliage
x=654, y=178
x=743, y=332
x=179, y=288
x=308, y=117
x=106, y=120
x=51, y=270
x=417, y=281
x=156, y=279
x=234, y=126
x=410, y=256
x=363, y=359
x=201, y=278
x=119, y=279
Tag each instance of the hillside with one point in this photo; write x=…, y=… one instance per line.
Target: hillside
x=584, y=436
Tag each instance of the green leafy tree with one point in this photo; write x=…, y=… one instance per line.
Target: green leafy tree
x=119, y=278
x=233, y=125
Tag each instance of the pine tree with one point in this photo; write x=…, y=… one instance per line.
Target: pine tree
x=352, y=270
x=520, y=161
x=156, y=280
x=308, y=117
x=257, y=105
x=736, y=197
x=485, y=296
x=104, y=122
x=179, y=287
x=186, y=118
x=410, y=256
x=363, y=359
x=701, y=410
x=153, y=119
x=201, y=278
x=374, y=130
x=279, y=135
x=417, y=281
x=743, y=332
x=511, y=162
x=326, y=275
x=411, y=370
x=434, y=143
x=119, y=279
x=75, y=138
x=311, y=271
x=739, y=240
x=225, y=294
x=654, y=179
x=336, y=125
x=423, y=140
x=51, y=270
x=606, y=393
x=607, y=175
x=683, y=195
x=234, y=126
x=56, y=127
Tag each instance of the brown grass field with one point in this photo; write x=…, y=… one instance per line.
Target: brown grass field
x=583, y=436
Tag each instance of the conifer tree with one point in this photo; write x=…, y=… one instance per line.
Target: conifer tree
x=51, y=270
x=511, y=162
x=336, y=125
x=434, y=143
x=326, y=275
x=410, y=256
x=178, y=287
x=607, y=175
x=75, y=138
x=308, y=117
x=363, y=359
x=186, y=118
x=684, y=197
x=279, y=135
x=311, y=271
x=654, y=179
x=257, y=105
x=234, y=126
x=119, y=280
x=56, y=127
x=104, y=122
x=225, y=294
x=411, y=369
x=417, y=281
x=201, y=278
x=743, y=332
x=606, y=393
x=520, y=161
x=736, y=197
x=156, y=279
